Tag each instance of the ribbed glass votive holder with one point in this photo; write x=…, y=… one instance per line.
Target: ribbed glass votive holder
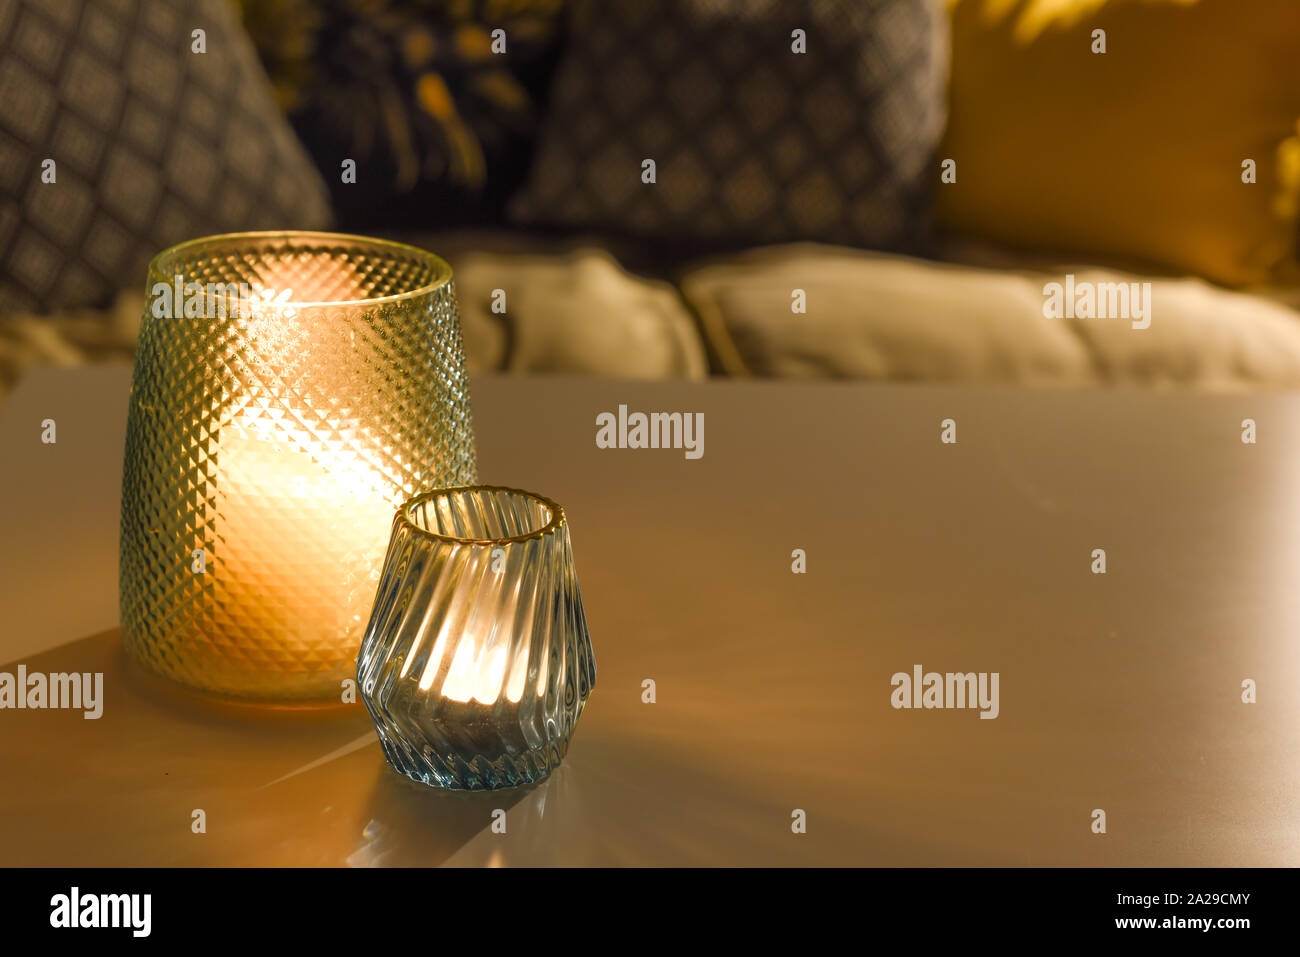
x=477, y=661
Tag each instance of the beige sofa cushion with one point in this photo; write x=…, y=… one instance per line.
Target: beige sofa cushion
x=578, y=312
x=881, y=316
x=1200, y=335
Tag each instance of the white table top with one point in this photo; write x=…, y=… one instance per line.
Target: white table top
x=1120, y=692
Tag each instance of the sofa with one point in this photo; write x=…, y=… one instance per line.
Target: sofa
x=904, y=199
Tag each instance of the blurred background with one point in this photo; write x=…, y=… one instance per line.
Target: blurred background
x=877, y=189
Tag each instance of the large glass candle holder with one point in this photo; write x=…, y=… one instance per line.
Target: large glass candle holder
x=477, y=661
x=290, y=391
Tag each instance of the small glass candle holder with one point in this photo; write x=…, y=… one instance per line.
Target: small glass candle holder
x=290, y=391
x=477, y=661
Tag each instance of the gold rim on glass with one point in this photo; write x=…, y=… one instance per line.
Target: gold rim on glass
x=556, y=512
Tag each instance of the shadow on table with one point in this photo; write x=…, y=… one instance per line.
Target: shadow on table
x=412, y=825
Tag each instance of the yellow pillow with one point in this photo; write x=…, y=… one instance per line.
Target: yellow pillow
x=1135, y=154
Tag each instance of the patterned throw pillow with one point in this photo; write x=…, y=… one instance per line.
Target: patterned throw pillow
x=767, y=121
x=151, y=142
x=435, y=100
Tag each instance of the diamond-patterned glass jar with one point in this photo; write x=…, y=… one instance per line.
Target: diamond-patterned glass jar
x=291, y=390
x=477, y=661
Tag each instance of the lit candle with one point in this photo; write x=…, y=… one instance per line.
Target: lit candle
x=301, y=518
x=479, y=702
x=299, y=540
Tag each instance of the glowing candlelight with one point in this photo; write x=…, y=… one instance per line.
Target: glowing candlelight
x=288, y=523
x=298, y=511
x=490, y=657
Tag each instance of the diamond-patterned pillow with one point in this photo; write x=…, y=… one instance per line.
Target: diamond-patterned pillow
x=152, y=144
x=753, y=141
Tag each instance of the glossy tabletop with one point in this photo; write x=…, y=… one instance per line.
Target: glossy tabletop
x=1120, y=692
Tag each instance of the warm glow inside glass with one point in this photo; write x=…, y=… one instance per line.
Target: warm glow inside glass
x=477, y=661
x=290, y=390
